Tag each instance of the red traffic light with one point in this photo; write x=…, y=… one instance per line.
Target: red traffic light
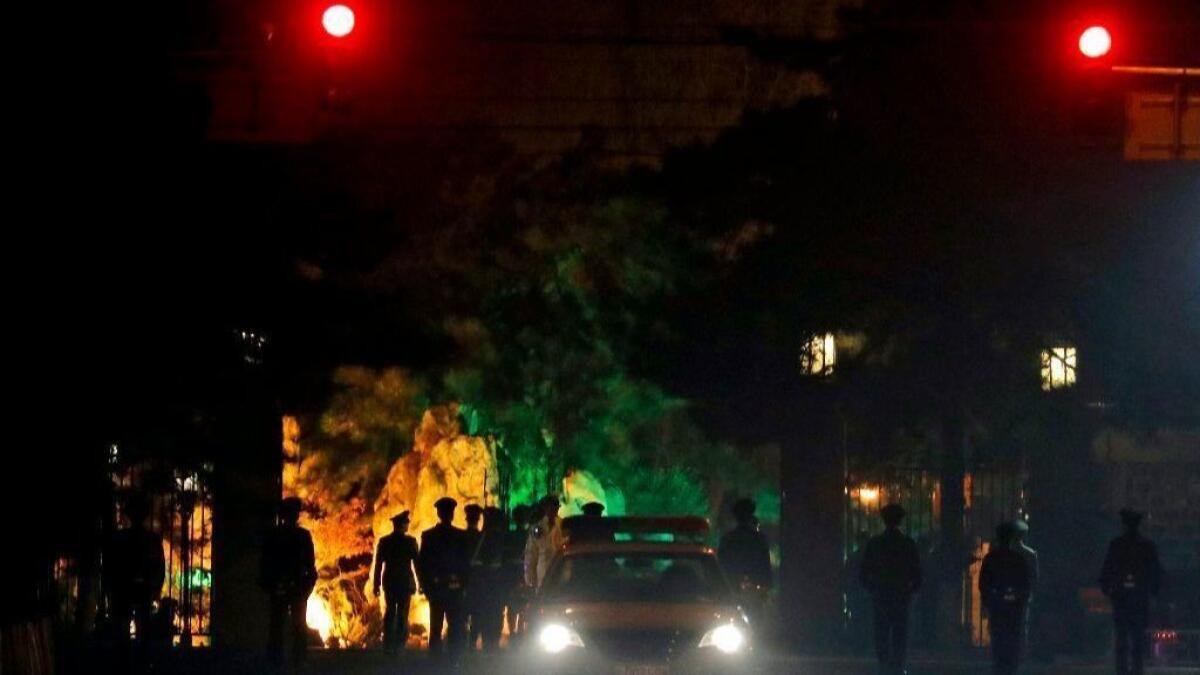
x=1095, y=42
x=338, y=20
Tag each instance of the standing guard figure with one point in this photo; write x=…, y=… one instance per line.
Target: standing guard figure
x=1131, y=574
x=443, y=567
x=394, y=559
x=1005, y=584
x=891, y=572
x=133, y=572
x=288, y=575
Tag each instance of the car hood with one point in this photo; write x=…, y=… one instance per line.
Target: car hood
x=650, y=616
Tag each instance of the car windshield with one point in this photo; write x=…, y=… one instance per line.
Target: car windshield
x=636, y=577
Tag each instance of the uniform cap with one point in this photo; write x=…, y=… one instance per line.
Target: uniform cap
x=744, y=509
x=290, y=506
x=1131, y=517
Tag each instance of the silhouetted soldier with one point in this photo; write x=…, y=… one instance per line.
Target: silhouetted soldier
x=394, y=559
x=591, y=525
x=288, y=575
x=545, y=539
x=443, y=567
x=1020, y=532
x=891, y=572
x=487, y=592
x=133, y=572
x=1005, y=585
x=1131, y=574
x=744, y=552
x=514, y=566
x=473, y=535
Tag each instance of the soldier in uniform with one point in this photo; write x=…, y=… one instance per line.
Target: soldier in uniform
x=394, y=559
x=487, y=593
x=1020, y=533
x=743, y=551
x=891, y=573
x=1131, y=574
x=473, y=535
x=1005, y=584
x=288, y=574
x=545, y=538
x=443, y=567
x=133, y=572
x=514, y=566
x=591, y=526
x=474, y=532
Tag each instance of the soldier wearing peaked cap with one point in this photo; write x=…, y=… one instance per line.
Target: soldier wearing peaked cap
x=443, y=567
x=1005, y=584
x=744, y=551
x=395, y=557
x=288, y=574
x=891, y=572
x=1130, y=576
x=487, y=593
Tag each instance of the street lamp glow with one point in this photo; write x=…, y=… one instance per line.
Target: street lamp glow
x=338, y=20
x=1095, y=42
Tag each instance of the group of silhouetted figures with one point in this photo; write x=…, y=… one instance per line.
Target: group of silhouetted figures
x=475, y=579
x=478, y=578
x=891, y=573
x=469, y=576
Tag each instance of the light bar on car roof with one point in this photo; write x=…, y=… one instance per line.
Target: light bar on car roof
x=637, y=528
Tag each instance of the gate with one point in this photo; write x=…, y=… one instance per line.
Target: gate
x=180, y=501
x=992, y=494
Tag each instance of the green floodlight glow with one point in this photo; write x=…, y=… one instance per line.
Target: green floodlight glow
x=197, y=578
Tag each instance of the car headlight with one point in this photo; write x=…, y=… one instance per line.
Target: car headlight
x=555, y=637
x=728, y=638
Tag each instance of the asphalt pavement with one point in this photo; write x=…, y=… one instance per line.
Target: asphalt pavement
x=375, y=662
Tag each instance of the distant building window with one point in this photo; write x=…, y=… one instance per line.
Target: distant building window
x=819, y=355
x=1059, y=368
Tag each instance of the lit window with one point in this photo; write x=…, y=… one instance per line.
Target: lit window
x=819, y=355
x=1058, y=368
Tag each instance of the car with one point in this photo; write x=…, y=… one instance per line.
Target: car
x=637, y=596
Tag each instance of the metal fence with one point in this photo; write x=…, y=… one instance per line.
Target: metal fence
x=180, y=501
